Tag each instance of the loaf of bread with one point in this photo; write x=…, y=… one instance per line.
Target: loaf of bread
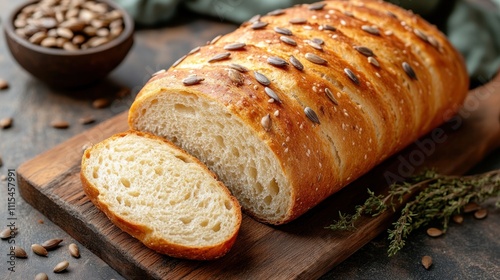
x=294, y=105
x=160, y=195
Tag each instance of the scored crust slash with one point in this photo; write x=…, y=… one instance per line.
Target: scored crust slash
x=315, y=103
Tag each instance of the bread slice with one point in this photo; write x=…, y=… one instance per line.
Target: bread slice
x=161, y=195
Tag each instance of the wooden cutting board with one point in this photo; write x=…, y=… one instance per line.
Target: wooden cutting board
x=303, y=249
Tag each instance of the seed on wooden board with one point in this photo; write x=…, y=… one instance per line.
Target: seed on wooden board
x=296, y=63
x=235, y=76
x=427, y=261
x=364, y=50
x=409, y=70
x=266, y=122
x=59, y=124
x=74, y=251
x=332, y=98
x=238, y=67
x=179, y=60
x=311, y=115
x=20, y=253
x=314, y=45
x=219, y=57
x=283, y=31
x=315, y=59
x=6, y=123
x=351, y=76
x=481, y=213
x=234, y=46
x=277, y=61
x=192, y=80
x=329, y=27
x=41, y=276
x=100, y=103
x=373, y=61
x=271, y=93
x=434, y=232
x=86, y=120
x=471, y=207
x=7, y=233
x=317, y=6
x=259, y=25
x=276, y=12
x=39, y=250
x=51, y=243
x=458, y=219
x=288, y=40
x=371, y=29
x=263, y=80
x=62, y=266
x=4, y=84
x=297, y=21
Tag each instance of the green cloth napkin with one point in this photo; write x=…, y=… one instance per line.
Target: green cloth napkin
x=473, y=26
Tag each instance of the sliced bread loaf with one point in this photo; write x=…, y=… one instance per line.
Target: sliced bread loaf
x=161, y=195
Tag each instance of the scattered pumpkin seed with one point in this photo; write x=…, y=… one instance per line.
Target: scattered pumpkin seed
x=7, y=233
x=277, y=61
x=39, y=250
x=192, y=80
x=427, y=262
x=20, y=253
x=296, y=63
x=311, y=115
x=6, y=123
x=219, y=57
x=74, y=251
x=271, y=93
x=471, y=207
x=481, y=213
x=3, y=84
x=62, y=266
x=41, y=276
x=458, y=219
x=266, y=122
x=86, y=120
x=101, y=103
x=315, y=59
x=434, y=232
x=59, y=124
x=263, y=80
x=51, y=243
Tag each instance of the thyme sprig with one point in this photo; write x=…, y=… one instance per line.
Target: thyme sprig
x=423, y=199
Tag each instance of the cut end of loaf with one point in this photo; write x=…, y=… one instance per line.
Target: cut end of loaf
x=228, y=147
x=162, y=196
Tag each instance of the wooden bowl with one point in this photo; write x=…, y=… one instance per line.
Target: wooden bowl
x=69, y=69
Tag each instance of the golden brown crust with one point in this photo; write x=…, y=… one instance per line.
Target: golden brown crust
x=142, y=232
x=376, y=116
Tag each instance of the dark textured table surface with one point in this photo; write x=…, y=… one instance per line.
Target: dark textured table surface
x=468, y=251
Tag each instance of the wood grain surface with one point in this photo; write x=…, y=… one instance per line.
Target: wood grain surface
x=303, y=249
